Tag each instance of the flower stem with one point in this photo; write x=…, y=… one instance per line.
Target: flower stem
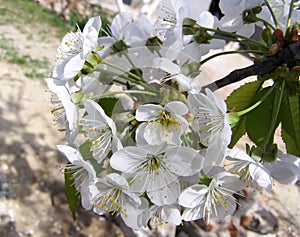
x=122, y=70
x=234, y=36
x=231, y=52
x=242, y=112
x=288, y=24
x=130, y=79
x=110, y=93
x=266, y=23
x=272, y=13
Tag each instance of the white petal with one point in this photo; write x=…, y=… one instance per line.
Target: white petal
x=119, y=23
x=73, y=66
x=86, y=197
x=58, y=87
x=70, y=153
x=139, y=135
x=165, y=195
x=128, y=158
x=193, y=196
x=284, y=171
x=117, y=181
x=94, y=22
x=177, y=107
x=171, y=214
x=206, y=19
x=132, y=216
x=261, y=175
x=190, y=214
x=147, y=112
x=183, y=161
x=166, y=65
x=219, y=103
x=90, y=42
x=215, y=153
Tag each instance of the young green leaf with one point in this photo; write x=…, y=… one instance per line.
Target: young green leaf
x=72, y=195
x=238, y=100
x=258, y=121
x=289, y=116
x=291, y=146
x=110, y=105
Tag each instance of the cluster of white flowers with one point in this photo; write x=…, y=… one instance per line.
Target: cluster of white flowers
x=144, y=140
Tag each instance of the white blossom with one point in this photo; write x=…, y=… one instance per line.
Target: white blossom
x=112, y=195
x=233, y=19
x=159, y=215
x=211, y=122
x=82, y=171
x=155, y=169
x=101, y=130
x=285, y=169
x=249, y=169
x=215, y=199
x=75, y=48
x=64, y=109
x=164, y=125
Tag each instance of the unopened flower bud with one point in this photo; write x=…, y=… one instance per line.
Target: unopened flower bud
x=277, y=35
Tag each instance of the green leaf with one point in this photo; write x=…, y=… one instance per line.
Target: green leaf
x=290, y=119
x=86, y=152
x=238, y=100
x=72, y=195
x=291, y=146
x=85, y=149
x=258, y=121
x=110, y=105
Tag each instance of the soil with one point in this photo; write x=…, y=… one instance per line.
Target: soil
x=32, y=201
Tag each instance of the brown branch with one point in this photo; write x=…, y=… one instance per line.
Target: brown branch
x=288, y=55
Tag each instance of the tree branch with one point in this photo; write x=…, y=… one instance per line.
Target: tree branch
x=288, y=55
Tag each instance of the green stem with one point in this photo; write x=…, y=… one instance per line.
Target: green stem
x=242, y=112
x=234, y=36
x=275, y=111
x=130, y=79
x=272, y=13
x=266, y=23
x=130, y=119
x=116, y=74
x=122, y=70
x=122, y=92
x=288, y=24
x=231, y=52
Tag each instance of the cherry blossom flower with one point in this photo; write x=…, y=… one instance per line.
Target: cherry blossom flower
x=249, y=169
x=82, y=171
x=112, y=195
x=185, y=83
x=159, y=215
x=101, y=130
x=155, y=169
x=164, y=125
x=212, y=124
x=281, y=11
x=64, y=109
x=75, y=48
x=233, y=19
x=214, y=199
x=285, y=169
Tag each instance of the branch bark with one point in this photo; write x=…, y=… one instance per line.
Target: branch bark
x=287, y=55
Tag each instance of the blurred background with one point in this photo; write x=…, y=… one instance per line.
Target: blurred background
x=32, y=201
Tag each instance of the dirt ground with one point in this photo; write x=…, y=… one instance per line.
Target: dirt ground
x=32, y=201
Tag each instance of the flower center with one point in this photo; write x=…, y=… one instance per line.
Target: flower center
x=110, y=202
x=166, y=120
